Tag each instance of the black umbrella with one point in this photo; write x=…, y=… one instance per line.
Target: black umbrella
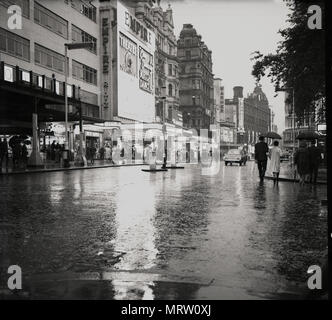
x=308, y=135
x=272, y=135
x=13, y=141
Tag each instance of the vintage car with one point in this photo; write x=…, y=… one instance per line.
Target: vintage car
x=235, y=156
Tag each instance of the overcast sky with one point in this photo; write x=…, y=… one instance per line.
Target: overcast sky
x=233, y=29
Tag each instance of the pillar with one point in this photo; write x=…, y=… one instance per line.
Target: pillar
x=35, y=159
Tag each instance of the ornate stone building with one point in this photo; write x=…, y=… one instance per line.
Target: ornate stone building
x=166, y=61
x=196, y=79
x=257, y=116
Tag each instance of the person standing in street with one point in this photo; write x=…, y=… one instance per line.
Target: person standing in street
x=274, y=156
x=3, y=153
x=301, y=161
x=314, y=161
x=24, y=151
x=93, y=151
x=261, y=151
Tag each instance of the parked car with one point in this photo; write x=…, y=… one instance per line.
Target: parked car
x=235, y=156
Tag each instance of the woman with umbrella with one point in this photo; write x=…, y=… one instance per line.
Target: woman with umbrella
x=274, y=156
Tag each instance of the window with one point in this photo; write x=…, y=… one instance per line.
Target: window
x=84, y=73
x=89, y=11
x=14, y=45
x=170, y=69
x=188, y=54
x=85, y=8
x=170, y=90
x=24, y=4
x=187, y=42
x=50, y=20
x=49, y=58
x=78, y=35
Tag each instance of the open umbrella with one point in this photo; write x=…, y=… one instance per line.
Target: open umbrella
x=308, y=135
x=14, y=140
x=272, y=135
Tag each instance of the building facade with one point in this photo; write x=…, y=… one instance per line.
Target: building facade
x=166, y=76
x=218, y=101
x=251, y=116
x=33, y=63
x=257, y=116
x=196, y=79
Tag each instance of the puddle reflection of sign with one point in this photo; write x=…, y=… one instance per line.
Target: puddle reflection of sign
x=145, y=70
x=128, y=55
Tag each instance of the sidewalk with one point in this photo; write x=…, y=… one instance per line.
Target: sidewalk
x=51, y=166
x=287, y=174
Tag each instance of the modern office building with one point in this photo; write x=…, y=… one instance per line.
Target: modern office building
x=32, y=56
x=196, y=79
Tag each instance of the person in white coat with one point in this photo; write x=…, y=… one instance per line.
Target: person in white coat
x=274, y=156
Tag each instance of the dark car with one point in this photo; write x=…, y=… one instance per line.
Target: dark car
x=235, y=156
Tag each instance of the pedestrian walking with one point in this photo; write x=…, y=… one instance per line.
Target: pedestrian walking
x=53, y=148
x=314, y=161
x=16, y=155
x=93, y=151
x=57, y=151
x=24, y=155
x=102, y=153
x=301, y=161
x=3, y=153
x=107, y=152
x=261, y=152
x=274, y=156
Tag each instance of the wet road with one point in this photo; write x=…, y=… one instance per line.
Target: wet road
x=169, y=235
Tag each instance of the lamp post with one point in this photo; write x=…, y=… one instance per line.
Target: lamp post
x=70, y=46
x=163, y=99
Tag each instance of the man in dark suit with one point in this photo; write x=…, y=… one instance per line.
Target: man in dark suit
x=314, y=161
x=261, y=151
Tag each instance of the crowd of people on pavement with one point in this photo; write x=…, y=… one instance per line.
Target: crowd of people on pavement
x=19, y=154
x=306, y=160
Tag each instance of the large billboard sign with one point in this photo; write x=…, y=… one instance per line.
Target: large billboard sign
x=128, y=55
x=136, y=47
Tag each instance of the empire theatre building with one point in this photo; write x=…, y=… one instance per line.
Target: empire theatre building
x=32, y=68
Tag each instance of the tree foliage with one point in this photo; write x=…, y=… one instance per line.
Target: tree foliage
x=299, y=61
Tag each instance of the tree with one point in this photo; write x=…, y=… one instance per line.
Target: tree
x=299, y=61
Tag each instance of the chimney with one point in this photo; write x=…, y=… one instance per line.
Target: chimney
x=237, y=92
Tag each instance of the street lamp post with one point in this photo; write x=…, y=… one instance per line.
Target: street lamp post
x=164, y=127
x=70, y=46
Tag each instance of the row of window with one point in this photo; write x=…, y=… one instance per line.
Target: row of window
x=50, y=20
x=78, y=35
x=84, y=8
x=23, y=4
x=172, y=70
x=55, y=23
x=83, y=72
x=48, y=58
x=14, y=45
x=19, y=47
